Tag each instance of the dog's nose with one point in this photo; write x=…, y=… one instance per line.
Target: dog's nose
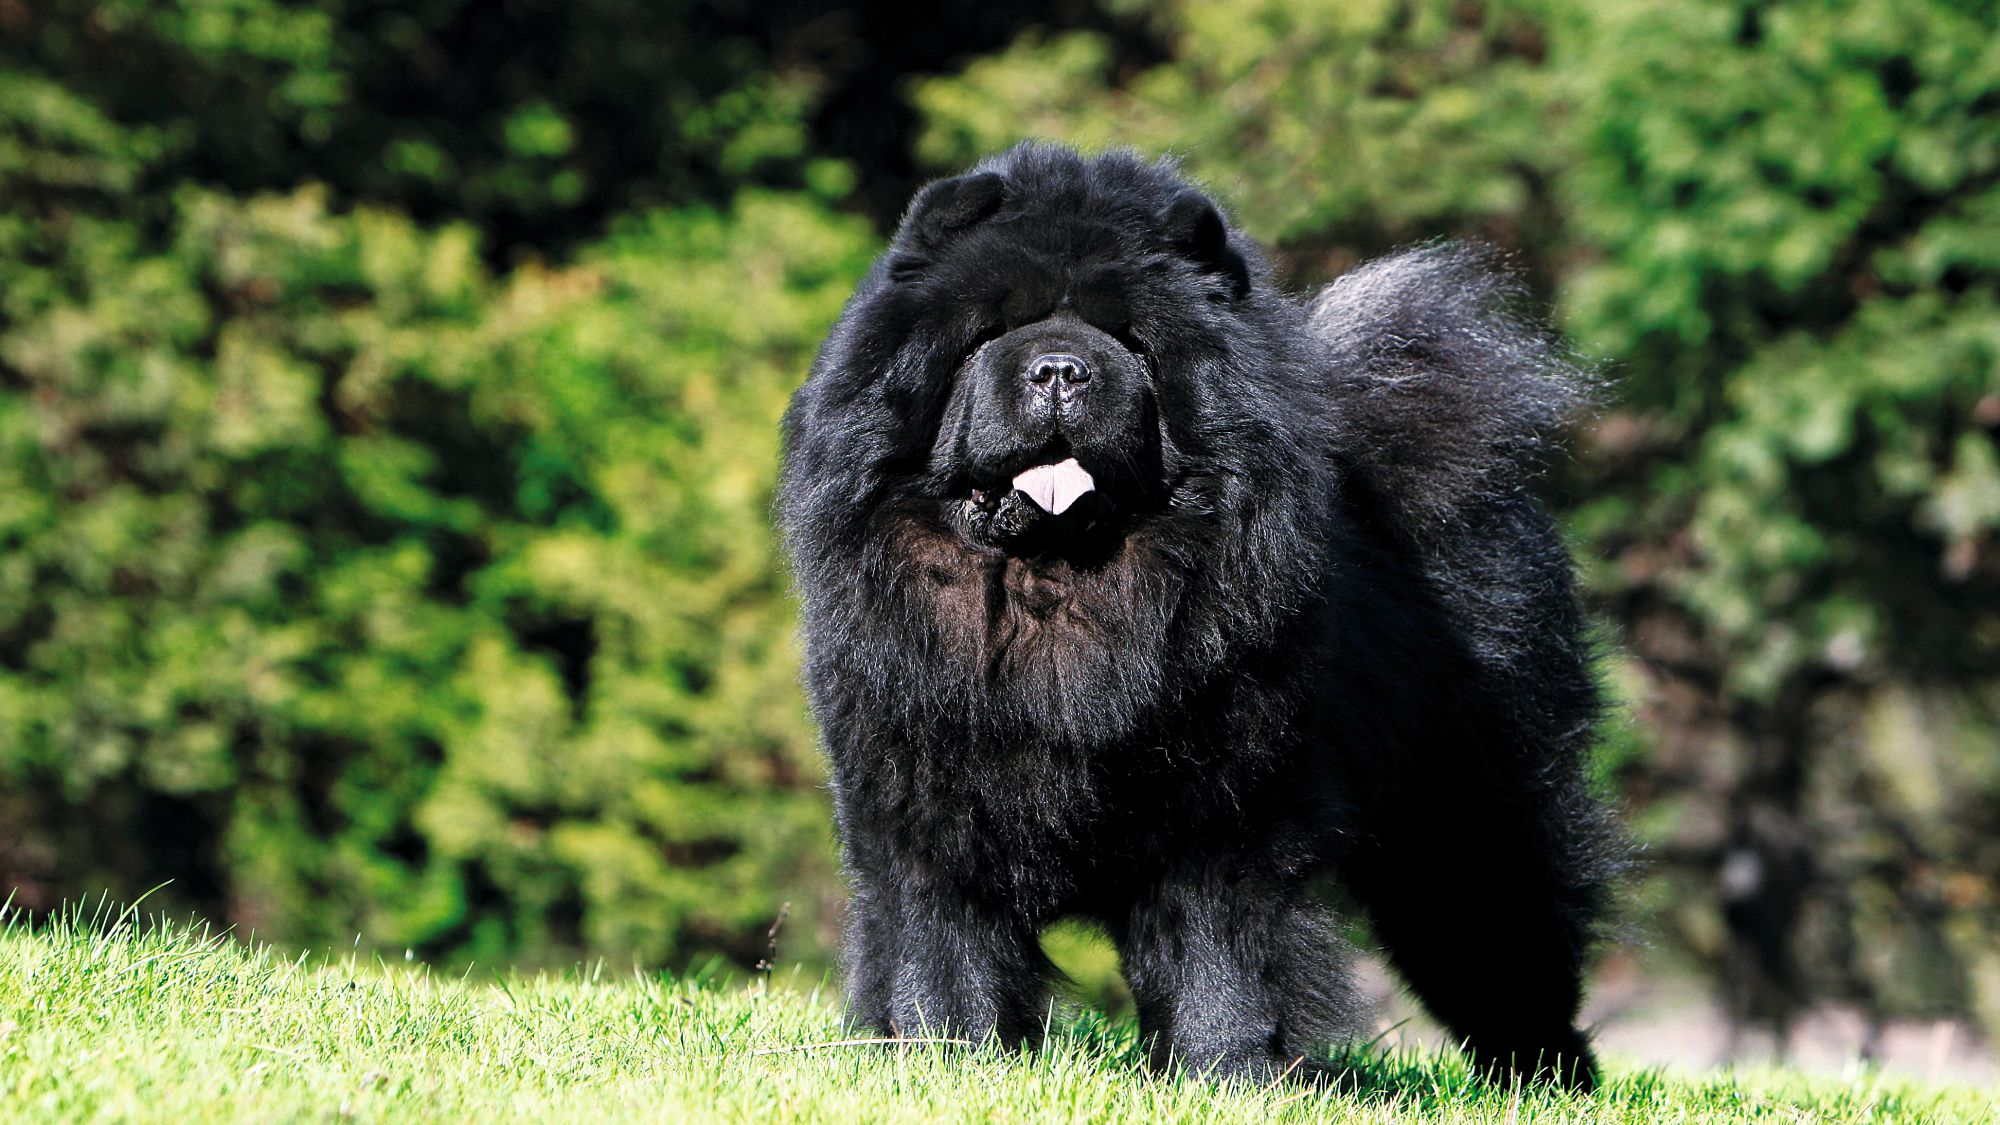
x=1048, y=369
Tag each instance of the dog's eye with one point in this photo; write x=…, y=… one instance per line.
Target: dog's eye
x=980, y=337
x=1125, y=335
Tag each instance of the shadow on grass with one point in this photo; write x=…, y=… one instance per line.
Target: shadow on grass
x=1364, y=1073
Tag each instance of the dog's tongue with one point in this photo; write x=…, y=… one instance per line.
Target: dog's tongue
x=1054, y=488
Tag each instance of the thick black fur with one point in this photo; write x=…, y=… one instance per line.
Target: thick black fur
x=1308, y=621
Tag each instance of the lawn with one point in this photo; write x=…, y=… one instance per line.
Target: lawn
x=118, y=1020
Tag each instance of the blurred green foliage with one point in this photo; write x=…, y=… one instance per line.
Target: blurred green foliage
x=534, y=120
x=364, y=575
x=361, y=591
x=1331, y=128
x=445, y=604
x=1785, y=222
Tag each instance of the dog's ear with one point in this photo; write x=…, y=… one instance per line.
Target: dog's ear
x=1196, y=230
x=939, y=213
x=945, y=207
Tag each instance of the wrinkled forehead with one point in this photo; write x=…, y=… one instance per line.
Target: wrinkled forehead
x=1028, y=265
x=1049, y=229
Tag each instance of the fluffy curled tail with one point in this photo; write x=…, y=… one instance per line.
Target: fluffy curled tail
x=1449, y=402
x=1448, y=397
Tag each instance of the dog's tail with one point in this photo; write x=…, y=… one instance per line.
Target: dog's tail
x=1450, y=401
x=1449, y=398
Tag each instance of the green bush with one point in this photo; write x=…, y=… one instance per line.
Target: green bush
x=370, y=594
x=1784, y=218
x=1332, y=129
x=537, y=122
x=358, y=590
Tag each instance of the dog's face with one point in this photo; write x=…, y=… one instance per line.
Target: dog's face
x=1051, y=428
x=1046, y=332
x=1056, y=428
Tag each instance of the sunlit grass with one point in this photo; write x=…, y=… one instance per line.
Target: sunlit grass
x=102, y=1016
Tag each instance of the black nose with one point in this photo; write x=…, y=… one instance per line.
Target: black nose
x=1058, y=365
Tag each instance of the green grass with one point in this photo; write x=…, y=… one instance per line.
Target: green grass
x=109, y=1019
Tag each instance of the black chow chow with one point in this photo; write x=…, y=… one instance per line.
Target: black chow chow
x=1135, y=591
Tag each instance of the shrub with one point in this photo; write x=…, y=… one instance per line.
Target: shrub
x=363, y=592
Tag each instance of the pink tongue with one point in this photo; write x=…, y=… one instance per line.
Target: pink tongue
x=1054, y=488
